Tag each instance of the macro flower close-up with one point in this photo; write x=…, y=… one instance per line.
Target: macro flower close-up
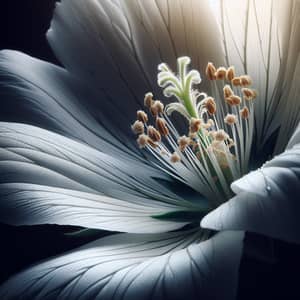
x=172, y=126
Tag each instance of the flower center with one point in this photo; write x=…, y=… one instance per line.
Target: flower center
x=215, y=149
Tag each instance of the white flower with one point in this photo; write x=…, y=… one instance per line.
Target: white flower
x=68, y=156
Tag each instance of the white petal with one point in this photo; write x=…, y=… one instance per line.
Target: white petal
x=262, y=40
x=38, y=157
x=295, y=139
x=105, y=54
x=121, y=43
x=29, y=204
x=267, y=201
x=177, y=28
x=38, y=93
x=166, y=266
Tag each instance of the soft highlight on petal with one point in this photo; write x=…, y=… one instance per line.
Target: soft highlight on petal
x=262, y=40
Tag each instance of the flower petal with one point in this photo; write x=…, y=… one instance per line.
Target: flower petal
x=35, y=164
x=127, y=266
x=262, y=40
x=295, y=139
x=39, y=93
x=267, y=200
x=120, y=43
x=29, y=204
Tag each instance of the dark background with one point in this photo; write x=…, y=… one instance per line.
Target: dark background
x=269, y=268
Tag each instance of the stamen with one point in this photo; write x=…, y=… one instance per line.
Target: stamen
x=220, y=135
x=236, y=100
x=195, y=125
x=244, y=112
x=162, y=126
x=221, y=73
x=183, y=142
x=230, y=73
x=228, y=92
x=142, y=116
x=138, y=127
x=211, y=71
x=207, y=158
x=249, y=94
x=245, y=80
x=210, y=105
x=148, y=100
x=153, y=134
x=142, y=140
x=175, y=158
x=236, y=81
x=230, y=119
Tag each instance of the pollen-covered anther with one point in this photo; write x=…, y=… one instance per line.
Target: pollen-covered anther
x=143, y=140
x=157, y=108
x=236, y=81
x=230, y=73
x=245, y=80
x=233, y=100
x=148, y=100
x=174, y=158
x=162, y=126
x=221, y=73
x=221, y=135
x=210, y=71
x=183, y=142
x=210, y=105
x=138, y=127
x=249, y=94
x=230, y=119
x=195, y=125
x=142, y=116
x=244, y=112
x=228, y=92
x=154, y=134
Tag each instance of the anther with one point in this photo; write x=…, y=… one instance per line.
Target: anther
x=234, y=100
x=221, y=73
x=230, y=119
x=230, y=73
x=249, y=94
x=183, y=142
x=175, y=157
x=220, y=135
x=138, y=127
x=210, y=71
x=210, y=105
x=153, y=134
x=148, y=100
x=227, y=91
x=157, y=108
x=161, y=126
x=236, y=81
x=142, y=140
x=245, y=80
x=142, y=116
x=244, y=112
x=195, y=125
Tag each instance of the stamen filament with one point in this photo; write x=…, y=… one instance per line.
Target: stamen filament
x=207, y=159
